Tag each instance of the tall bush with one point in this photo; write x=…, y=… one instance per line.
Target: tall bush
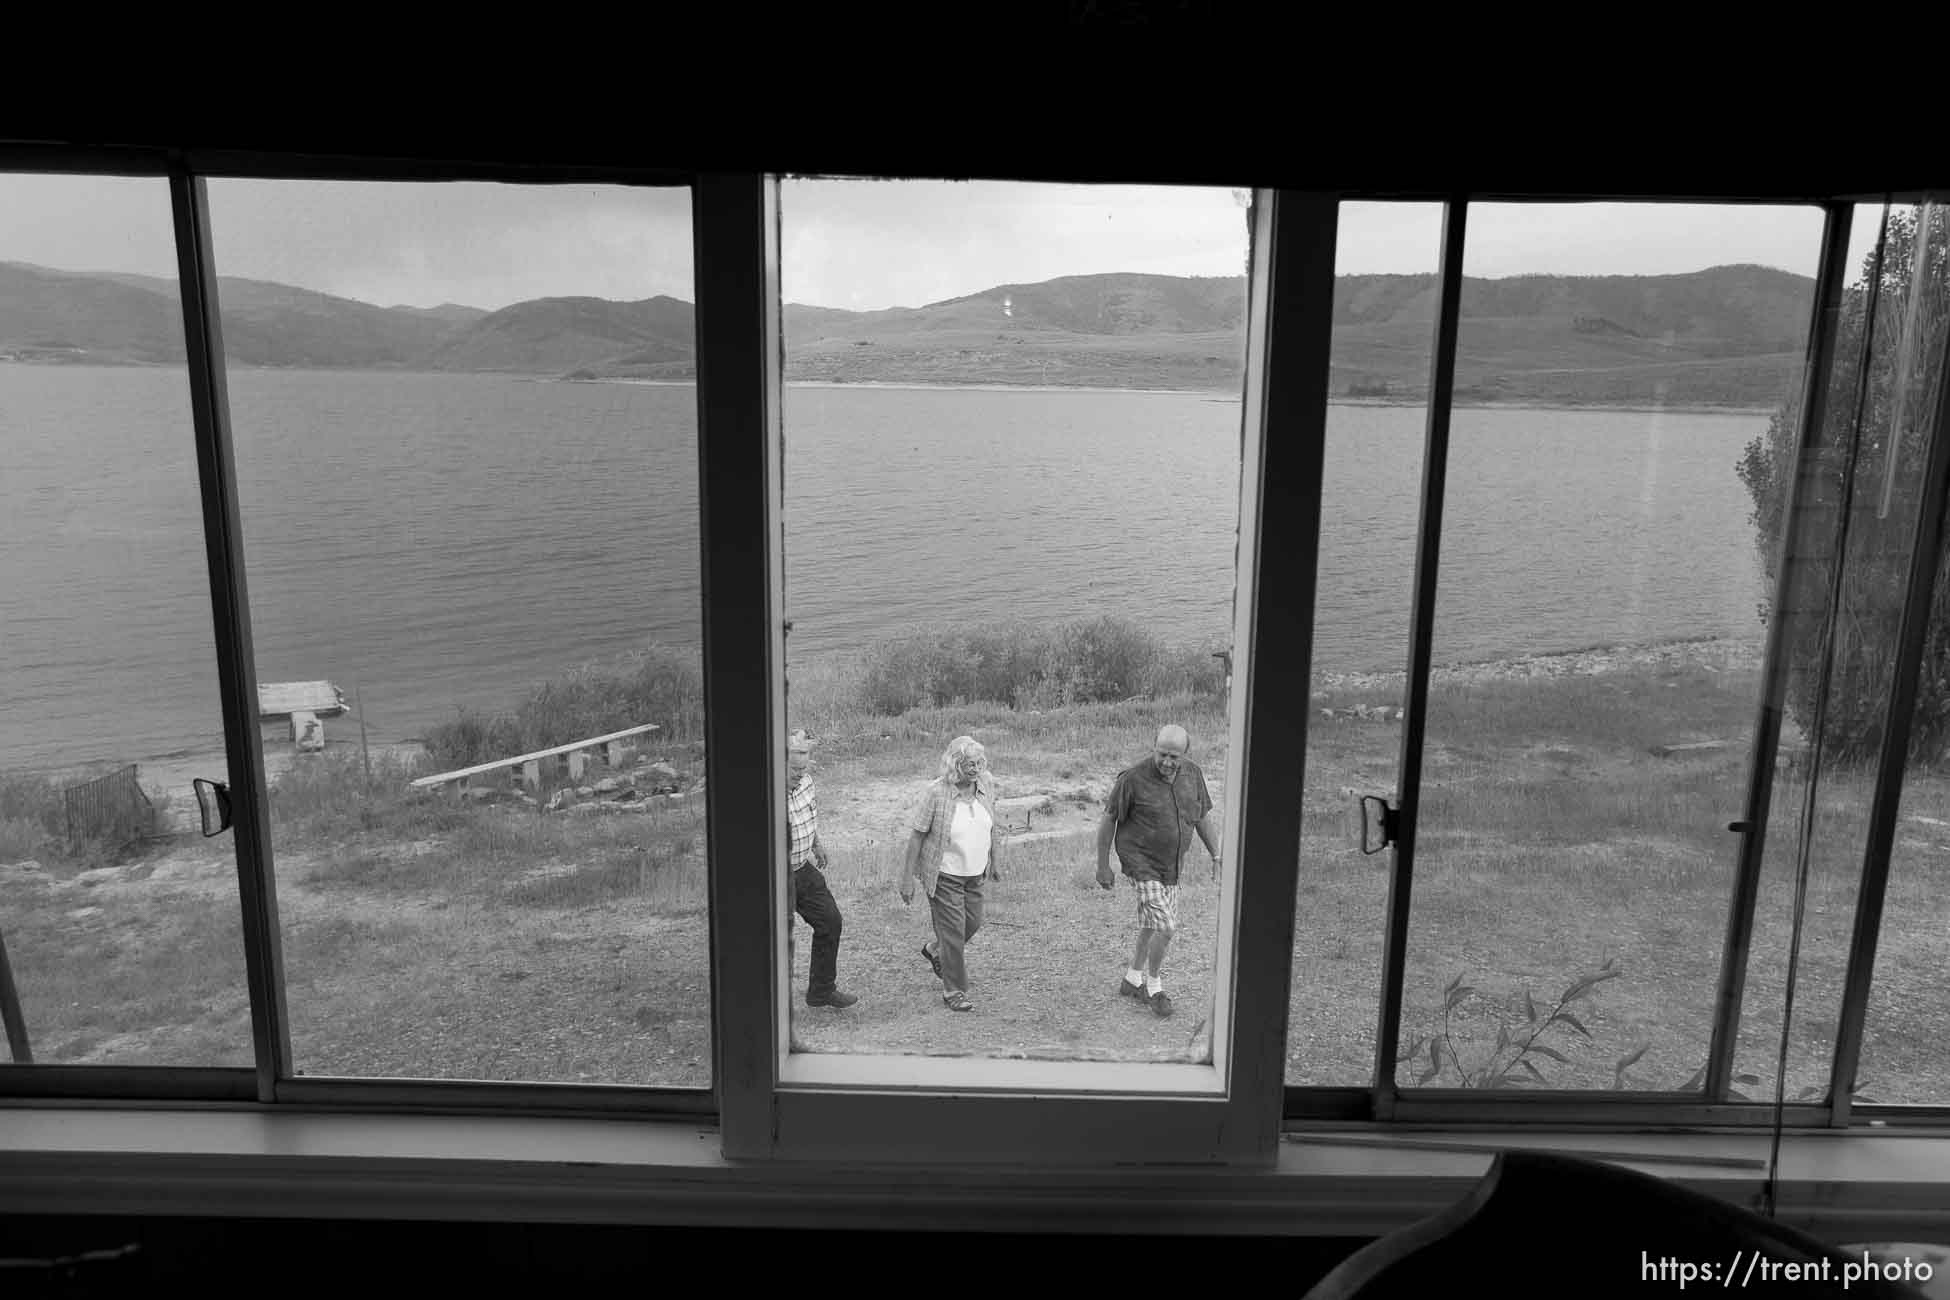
x=1083, y=662
x=1904, y=378
x=659, y=685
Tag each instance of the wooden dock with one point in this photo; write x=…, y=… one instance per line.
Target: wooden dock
x=283, y=699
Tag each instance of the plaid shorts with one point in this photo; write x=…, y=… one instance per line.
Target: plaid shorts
x=1157, y=906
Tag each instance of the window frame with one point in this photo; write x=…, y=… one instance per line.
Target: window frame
x=271, y=1080
x=779, y=1106
x=763, y=1112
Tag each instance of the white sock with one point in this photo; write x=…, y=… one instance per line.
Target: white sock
x=1154, y=986
x=1134, y=976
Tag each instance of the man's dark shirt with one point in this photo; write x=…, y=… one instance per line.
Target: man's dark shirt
x=1155, y=818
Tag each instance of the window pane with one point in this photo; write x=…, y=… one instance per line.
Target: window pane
x=1012, y=447
x=496, y=569
x=121, y=923
x=1597, y=644
x=1902, y=1060
x=1386, y=286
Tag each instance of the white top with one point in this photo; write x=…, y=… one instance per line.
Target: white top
x=967, y=851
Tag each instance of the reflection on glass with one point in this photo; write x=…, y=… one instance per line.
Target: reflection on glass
x=475, y=605
x=120, y=923
x=1596, y=646
x=1840, y=626
x=1384, y=293
x=1012, y=432
x=1903, y=1059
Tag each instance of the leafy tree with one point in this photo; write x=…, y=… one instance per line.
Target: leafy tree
x=1905, y=371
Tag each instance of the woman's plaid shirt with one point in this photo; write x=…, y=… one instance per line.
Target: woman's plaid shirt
x=803, y=818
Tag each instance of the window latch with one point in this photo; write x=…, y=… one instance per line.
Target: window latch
x=1380, y=821
x=213, y=802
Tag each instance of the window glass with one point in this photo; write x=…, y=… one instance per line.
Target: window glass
x=1012, y=449
x=1597, y=639
x=466, y=439
x=1387, y=281
x=1876, y=442
x=120, y=923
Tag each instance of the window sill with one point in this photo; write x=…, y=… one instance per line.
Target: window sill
x=1842, y=1186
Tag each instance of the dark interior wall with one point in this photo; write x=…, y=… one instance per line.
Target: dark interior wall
x=75, y=1256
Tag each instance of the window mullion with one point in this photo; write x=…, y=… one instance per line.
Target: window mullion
x=735, y=219
x=1289, y=347
x=1767, y=728
x=1421, y=642
x=230, y=610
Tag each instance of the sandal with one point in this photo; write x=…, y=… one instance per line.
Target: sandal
x=957, y=1001
x=933, y=960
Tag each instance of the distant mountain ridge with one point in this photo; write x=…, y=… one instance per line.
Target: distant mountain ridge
x=1729, y=335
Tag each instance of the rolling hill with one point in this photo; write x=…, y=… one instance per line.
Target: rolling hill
x=1730, y=335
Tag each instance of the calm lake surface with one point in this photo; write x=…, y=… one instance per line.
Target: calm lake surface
x=444, y=540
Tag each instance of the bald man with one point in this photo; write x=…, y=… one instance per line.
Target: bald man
x=1146, y=815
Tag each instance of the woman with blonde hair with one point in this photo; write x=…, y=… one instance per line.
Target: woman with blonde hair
x=951, y=851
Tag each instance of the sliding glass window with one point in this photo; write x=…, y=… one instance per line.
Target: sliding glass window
x=120, y=922
x=1597, y=640
x=1385, y=289
x=1012, y=453
x=466, y=439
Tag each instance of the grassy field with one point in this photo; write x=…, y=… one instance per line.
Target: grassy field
x=1562, y=836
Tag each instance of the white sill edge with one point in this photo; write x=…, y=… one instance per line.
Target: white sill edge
x=963, y=1075
x=652, y=1146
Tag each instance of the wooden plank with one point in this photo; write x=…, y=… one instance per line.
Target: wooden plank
x=1690, y=747
x=461, y=774
x=278, y=699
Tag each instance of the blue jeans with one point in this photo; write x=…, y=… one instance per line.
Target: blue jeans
x=812, y=900
x=957, y=908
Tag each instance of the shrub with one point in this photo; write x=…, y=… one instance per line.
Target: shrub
x=1085, y=662
x=1186, y=670
x=658, y=685
x=1876, y=563
x=34, y=820
x=32, y=817
x=1512, y=1061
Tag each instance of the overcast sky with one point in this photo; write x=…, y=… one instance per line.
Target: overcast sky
x=854, y=244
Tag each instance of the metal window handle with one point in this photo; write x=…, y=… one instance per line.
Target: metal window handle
x=213, y=802
x=1384, y=822
x=1740, y=828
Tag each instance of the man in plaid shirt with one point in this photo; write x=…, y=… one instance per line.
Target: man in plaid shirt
x=811, y=899
x=1145, y=816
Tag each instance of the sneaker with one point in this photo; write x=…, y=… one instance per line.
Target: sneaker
x=830, y=998
x=1160, y=1004
x=1130, y=990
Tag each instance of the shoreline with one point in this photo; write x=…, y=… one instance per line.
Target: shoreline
x=173, y=772
x=1216, y=394
x=1718, y=654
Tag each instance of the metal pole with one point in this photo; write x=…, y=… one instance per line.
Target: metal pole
x=364, y=752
